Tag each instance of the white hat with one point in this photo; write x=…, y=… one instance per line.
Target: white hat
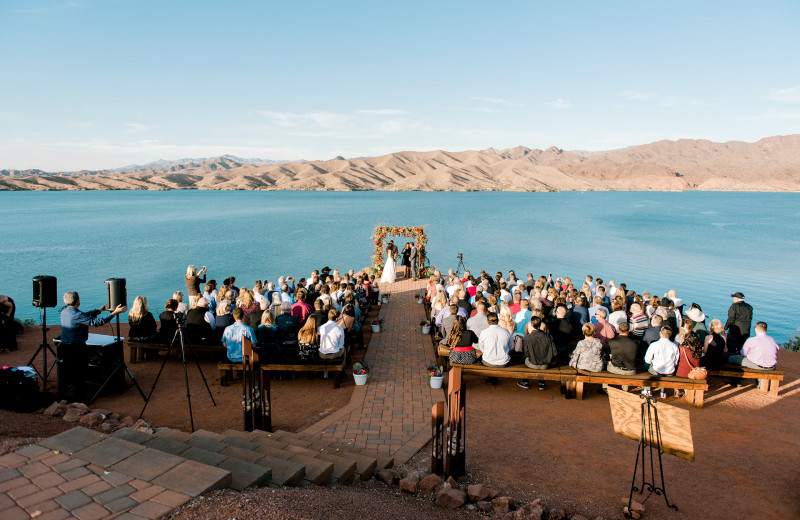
x=696, y=315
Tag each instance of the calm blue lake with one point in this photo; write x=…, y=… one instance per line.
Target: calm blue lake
x=706, y=245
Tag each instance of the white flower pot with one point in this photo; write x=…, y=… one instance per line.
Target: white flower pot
x=436, y=381
x=361, y=379
x=426, y=329
x=376, y=328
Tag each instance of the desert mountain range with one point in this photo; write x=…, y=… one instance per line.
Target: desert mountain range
x=771, y=164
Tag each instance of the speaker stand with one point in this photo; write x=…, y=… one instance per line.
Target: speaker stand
x=43, y=348
x=121, y=365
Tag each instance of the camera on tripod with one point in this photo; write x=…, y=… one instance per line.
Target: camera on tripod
x=180, y=319
x=460, y=264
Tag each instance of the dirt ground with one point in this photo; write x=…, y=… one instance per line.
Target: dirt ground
x=526, y=443
x=565, y=451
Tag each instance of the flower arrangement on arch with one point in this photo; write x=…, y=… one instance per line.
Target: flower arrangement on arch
x=416, y=232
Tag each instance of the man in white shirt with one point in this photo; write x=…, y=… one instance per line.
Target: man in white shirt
x=494, y=343
x=662, y=356
x=331, y=337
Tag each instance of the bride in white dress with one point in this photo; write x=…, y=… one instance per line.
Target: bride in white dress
x=389, y=268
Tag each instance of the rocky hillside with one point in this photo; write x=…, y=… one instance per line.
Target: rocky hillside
x=771, y=164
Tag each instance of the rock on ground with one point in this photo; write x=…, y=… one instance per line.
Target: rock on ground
x=477, y=492
x=407, y=485
x=430, y=484
x=386, y=476
x=502, y=505
x=450, y=498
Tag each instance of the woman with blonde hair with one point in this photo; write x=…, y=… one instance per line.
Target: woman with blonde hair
x=224, y=316
x=248, y=304
x=431, y=288
x=275, y=306
x=267, y=334
x=336, y=276
x=308, y=339
x=506, y=319
x=439, y=302
x=142, y=323
x=193, y=281
x=182, y=306
x=588, y=353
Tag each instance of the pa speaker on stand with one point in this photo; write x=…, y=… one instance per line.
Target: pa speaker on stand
x=45, y=294
x=45, y=291
x=117, y=294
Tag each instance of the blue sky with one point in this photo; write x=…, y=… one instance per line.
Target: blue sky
x=105, y=83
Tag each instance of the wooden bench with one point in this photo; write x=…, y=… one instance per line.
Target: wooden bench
x=694, y=388
x=228, y=370
x=768, y=380
x=138, y=349
x=562, y=374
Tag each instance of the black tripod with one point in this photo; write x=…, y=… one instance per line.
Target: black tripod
x=183, y=344
x=460, y=263
x=120, y=365
x=44, y=346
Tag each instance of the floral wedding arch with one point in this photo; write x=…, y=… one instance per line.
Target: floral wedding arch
x=380, y=234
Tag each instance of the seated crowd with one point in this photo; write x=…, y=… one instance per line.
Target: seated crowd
x=311, y=318
x=592, y=327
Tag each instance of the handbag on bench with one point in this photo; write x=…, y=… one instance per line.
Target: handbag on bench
x=695, y=372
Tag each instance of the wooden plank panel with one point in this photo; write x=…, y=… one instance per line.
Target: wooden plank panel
x=676, y=429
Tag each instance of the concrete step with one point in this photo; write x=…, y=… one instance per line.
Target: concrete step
x=190, y=446
x=316, y=471
x=118, y=454
x=244, y=473
x=343, y=467
x=365, y=468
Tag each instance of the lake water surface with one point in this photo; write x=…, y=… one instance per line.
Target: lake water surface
x=706, y=245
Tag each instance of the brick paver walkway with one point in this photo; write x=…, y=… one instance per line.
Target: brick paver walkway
x=391, y=414
x=36, y=482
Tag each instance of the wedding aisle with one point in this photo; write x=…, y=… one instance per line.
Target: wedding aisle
x=391, y=414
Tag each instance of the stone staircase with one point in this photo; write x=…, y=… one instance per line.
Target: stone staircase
x=194, y=463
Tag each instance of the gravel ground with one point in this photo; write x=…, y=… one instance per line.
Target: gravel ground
x=365, y=501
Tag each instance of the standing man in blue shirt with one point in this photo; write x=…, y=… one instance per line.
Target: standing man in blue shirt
x=73, y=355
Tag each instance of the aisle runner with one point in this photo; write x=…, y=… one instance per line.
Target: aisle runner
x=391, y=415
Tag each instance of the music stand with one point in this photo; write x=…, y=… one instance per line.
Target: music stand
x=44, y=346
x=658, y=428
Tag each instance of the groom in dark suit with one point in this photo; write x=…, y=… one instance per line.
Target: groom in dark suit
x=412, y=257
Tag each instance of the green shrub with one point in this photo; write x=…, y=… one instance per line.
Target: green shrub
x=794, y=342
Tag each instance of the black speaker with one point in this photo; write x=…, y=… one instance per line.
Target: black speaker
x=117, y=295
x=45, y=291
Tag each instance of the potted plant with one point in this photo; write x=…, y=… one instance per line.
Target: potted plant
x=361, y=372
x=425, y=326
x=435, y=374
x=385, y=298
x=377, y=325
x=420, y=298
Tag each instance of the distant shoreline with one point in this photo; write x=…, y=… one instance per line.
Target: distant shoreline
x=769, y=165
